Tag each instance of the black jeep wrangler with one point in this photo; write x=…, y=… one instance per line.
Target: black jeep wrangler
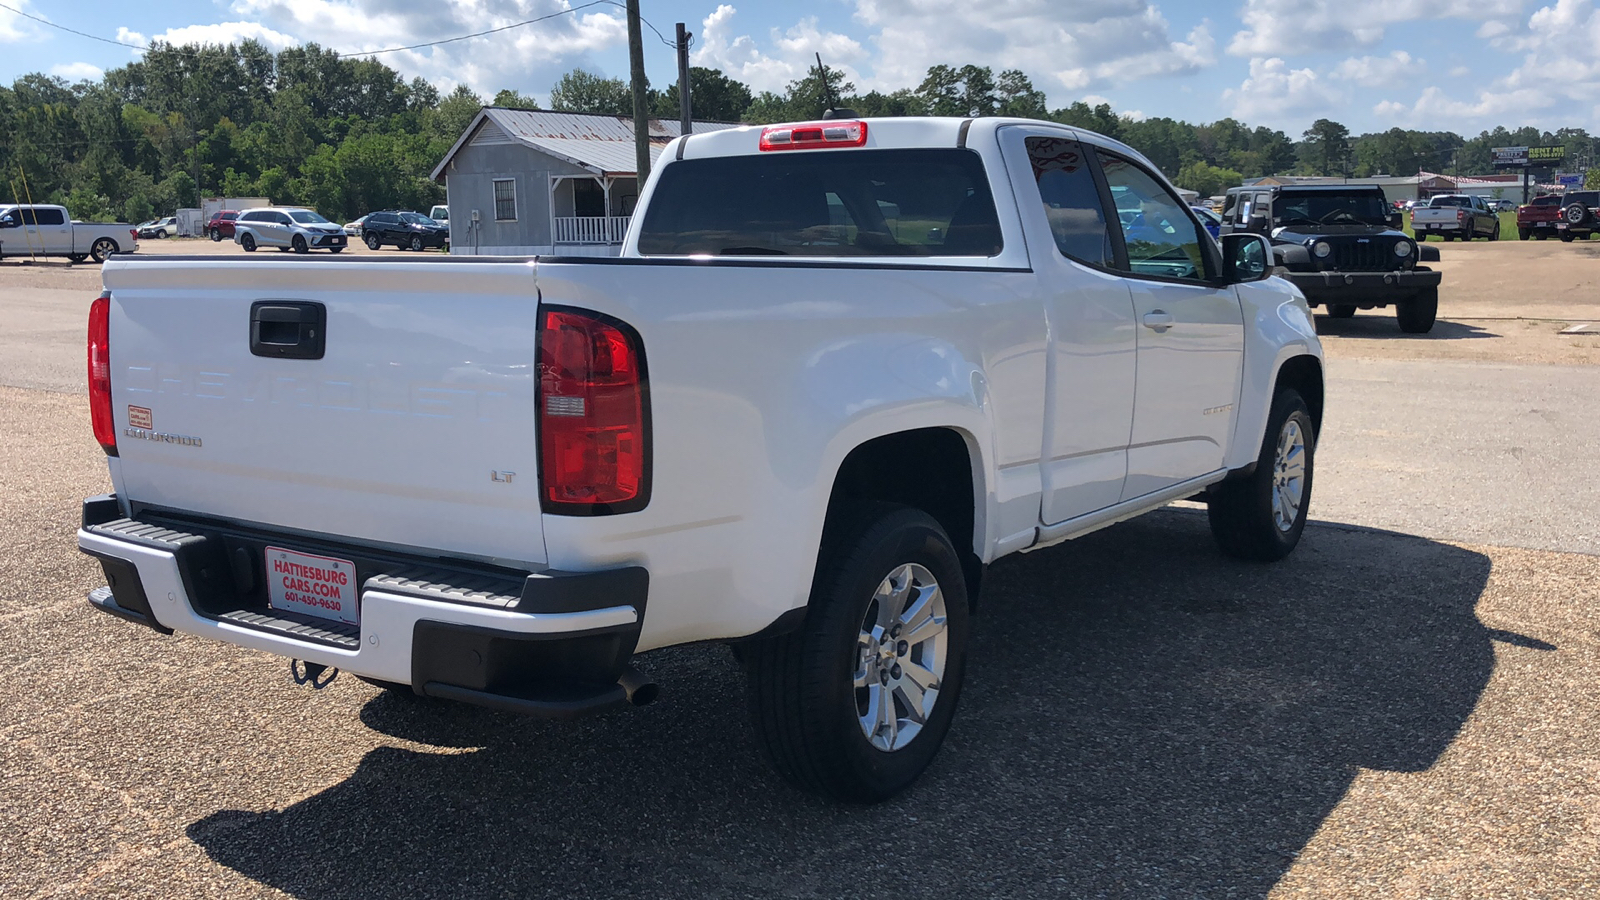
x=1343, y=247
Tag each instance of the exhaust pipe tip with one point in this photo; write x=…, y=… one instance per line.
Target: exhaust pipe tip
x=640, y=688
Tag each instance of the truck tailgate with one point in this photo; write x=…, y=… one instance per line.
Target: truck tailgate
x=415, y=428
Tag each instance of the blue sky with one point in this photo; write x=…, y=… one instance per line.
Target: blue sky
x=1457, y=65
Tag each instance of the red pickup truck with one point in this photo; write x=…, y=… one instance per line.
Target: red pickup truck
x=1538, y=219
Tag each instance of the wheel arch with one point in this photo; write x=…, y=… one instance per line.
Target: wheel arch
x=1304, y=374
x=937, y=469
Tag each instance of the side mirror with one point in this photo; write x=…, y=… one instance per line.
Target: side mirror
x=1245, y=258
x=8, y=222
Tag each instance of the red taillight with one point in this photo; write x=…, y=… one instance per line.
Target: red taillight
x=594, y=441
x=812, y=135
x=133, y=233
x=99, y=351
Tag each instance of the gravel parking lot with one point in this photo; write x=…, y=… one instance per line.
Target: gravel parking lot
x=1404, y=708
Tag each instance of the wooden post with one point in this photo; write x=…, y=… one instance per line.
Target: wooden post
x=685, y=112
x=641, y=116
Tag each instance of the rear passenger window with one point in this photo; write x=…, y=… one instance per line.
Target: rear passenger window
x=1071, y=199
x=50, y=217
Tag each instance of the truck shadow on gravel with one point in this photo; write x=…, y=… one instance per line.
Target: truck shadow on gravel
x=1142, y=718
x=1377, y=325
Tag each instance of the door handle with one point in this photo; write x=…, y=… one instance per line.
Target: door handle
x=288, y=329
x=1158, y=320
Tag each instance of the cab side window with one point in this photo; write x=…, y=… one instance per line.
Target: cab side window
x=1161, y=238
x=50, y=217
x=1071, y=199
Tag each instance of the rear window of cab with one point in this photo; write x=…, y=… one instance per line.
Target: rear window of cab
x=832, y=203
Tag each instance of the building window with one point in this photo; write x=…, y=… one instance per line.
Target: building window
x=505, y=200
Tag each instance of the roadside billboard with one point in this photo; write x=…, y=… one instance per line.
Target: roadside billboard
x=1528, y=157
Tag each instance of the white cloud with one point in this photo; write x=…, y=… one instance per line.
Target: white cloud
x=789, y=56
x=14, y=28
x=1274, y=91
x=1065, y=47
x=1380, y=71
x=1274, y=29
x=78, y=71
x=129, y=36
x=1559, y=73
x=528, y=58
x=220, y=33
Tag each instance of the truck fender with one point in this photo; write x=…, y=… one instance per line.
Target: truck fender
x=1426, y=253
x=1279, y=329
x=1291, y=255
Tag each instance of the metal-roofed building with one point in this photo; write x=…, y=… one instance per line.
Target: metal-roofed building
x=523, y=182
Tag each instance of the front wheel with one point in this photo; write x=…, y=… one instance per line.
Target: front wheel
x=1566, y=237
x=216, y=234
x=102, y=248
x=248, y=242
x=1261, y=517
x=855, y=703
x=1416, y=316
x=335, y=249
x=416, y=242
x=77, y=257
x=299, y=244
x=1495, y=234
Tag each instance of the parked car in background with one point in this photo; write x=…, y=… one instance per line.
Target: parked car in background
x=287, y=228
x=406, y=230
x=441, y=214
x=1579, y=212
x=47, y=230
x=221, y=224
x=1538, y=219
x=1209, y=219
x=354, y=228
x=1452, y=216
x=1501, y=206
x=160, y=228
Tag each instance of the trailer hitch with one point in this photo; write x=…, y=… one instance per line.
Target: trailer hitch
x=312, y=673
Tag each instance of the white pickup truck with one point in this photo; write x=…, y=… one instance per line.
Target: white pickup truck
x=1452, y=216
x=45, y=230
x=839, y=369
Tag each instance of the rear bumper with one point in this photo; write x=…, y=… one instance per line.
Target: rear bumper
x=550, y=644
x=1363, y=287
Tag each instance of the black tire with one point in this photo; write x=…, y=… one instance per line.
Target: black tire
x=216, y=234
x=1541, y=235
x=102, y=248
x=1467, y=233
x=1241, y=512
x=1341, y=310
x=77, y=257
x=372, y=241
x=248, y=242
x=299, y=244
x=1567, y=237
x=335, y=249
x=1421, y=237
x=416, y=243
x=1495, y=234
x=1416, y=316
x=1523, y=233
x=803, y=699
x=1448, y=237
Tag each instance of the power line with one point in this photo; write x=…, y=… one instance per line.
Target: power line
x=345, y=55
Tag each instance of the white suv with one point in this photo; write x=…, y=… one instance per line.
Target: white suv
x=287, y=228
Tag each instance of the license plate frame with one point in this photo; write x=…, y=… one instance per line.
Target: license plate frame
x=323, y=587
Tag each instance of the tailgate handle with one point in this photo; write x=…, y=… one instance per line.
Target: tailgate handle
x=288, y=329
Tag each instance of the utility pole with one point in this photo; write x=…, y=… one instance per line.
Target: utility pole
x=685, y=118
x=641, y=117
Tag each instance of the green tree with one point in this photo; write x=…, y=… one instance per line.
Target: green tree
x=510, y=99
x=1328, y=144
x=1591, y=180
x=713, y=97
x=1207, y=180
x=582, y=91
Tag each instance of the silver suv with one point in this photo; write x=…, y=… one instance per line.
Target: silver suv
x=287, y=228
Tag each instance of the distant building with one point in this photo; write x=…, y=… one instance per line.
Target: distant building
x=529, y=182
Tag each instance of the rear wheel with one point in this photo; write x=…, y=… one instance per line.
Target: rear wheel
x=855, y=703
x=1566, y=237
x=1416, y=316
x=1522, y=233
x=77, y=257
x=102, y=248
x=248, y=242
x=372, y=241
x=1341, y=311
x=1495, y=234
x=1542, y=235
x=1448, y=237
x=1262, y=516
x=299, y=244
